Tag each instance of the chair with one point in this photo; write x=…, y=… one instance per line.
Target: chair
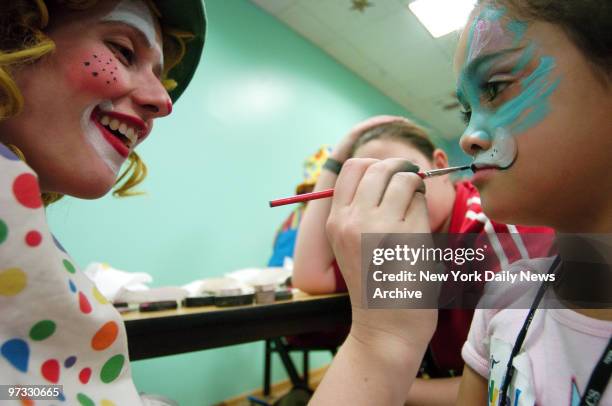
x=281, y=346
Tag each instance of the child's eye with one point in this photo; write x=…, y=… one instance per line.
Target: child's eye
x=466, y=115
x=125, y=55
x=494, y=88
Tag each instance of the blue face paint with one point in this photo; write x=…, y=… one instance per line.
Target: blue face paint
x=499, y=125
x=518, y=29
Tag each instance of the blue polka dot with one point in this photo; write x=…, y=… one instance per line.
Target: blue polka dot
x=17, y=353
x=7, y=153
x=70, y=361
x=72, y=286
x=58, y=245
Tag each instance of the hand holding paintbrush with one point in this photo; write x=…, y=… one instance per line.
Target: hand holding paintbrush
x=330, y=192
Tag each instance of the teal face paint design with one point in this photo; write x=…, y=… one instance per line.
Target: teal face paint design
x=493, y=50
x=518, y=28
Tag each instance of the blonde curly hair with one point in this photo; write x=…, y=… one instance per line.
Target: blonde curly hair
x=23, y=41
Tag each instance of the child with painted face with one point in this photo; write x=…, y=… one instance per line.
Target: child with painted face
x=536, y=85
x=81, y=83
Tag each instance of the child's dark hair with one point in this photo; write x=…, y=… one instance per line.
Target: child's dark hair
x=405, y=131
x=588, y=23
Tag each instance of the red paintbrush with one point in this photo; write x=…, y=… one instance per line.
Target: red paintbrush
x=330, y=192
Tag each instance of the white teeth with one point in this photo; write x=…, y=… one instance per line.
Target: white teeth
x=131, y=135
x=114, y=124
x=123, y=128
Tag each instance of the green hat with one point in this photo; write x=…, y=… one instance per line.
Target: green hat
x=190, y=16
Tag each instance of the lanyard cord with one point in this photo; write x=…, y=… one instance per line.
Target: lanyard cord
x=600, y=376
x=599, y=379
x=523, y=333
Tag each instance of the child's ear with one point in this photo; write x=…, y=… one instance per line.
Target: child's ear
x=440, y=159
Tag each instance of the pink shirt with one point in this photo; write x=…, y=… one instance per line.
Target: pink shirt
x=557, y=358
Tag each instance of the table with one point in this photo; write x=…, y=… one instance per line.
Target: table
x=168, y=332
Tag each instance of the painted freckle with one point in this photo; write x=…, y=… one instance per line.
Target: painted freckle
x=95, y=73
x=86, y=63
x=95, y=56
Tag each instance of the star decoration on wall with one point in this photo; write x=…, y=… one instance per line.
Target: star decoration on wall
x=360, y=5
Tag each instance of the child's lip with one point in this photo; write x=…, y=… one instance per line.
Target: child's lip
x=482, y=167
x=483, y=173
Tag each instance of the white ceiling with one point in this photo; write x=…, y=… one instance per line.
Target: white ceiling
x=388, y=47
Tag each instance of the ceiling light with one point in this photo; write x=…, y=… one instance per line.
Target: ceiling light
x=441, y=17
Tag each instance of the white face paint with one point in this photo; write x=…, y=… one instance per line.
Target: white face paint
x=502, y=152
x=136, y=14
x=108, y=154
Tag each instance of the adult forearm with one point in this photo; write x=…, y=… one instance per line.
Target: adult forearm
x=365, y=374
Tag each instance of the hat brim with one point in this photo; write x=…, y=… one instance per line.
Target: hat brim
x=190, y=16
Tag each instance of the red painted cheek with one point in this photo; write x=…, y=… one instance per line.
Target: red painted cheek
x=98, y=73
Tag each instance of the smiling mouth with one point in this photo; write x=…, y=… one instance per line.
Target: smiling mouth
x=122, y=135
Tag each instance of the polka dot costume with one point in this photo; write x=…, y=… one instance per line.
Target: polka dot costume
x=56, y=327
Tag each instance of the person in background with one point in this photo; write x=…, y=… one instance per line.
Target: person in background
x=284, y=240
x=453, y=207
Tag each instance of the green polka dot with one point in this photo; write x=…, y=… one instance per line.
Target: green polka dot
x=41, y=330
x=69, y=267
x=111, y=369
x=3, y=231
x=84, y=400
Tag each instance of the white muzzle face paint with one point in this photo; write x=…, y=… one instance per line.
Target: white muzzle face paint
x=502, y=153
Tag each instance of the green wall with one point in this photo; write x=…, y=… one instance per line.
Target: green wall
x=263, y=99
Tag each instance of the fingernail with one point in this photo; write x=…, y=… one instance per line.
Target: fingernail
x=410, y=167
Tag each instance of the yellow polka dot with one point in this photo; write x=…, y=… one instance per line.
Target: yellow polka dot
x=105, y=402
x=99, y=296
x=12, y=281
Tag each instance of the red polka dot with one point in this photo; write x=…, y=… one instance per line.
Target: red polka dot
x=50, y=370
x=84, y=375
x=84, y=303
x=26, y=191
x=33, y=238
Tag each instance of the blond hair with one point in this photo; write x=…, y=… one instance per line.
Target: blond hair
x=23, y=41
x=403, y=130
